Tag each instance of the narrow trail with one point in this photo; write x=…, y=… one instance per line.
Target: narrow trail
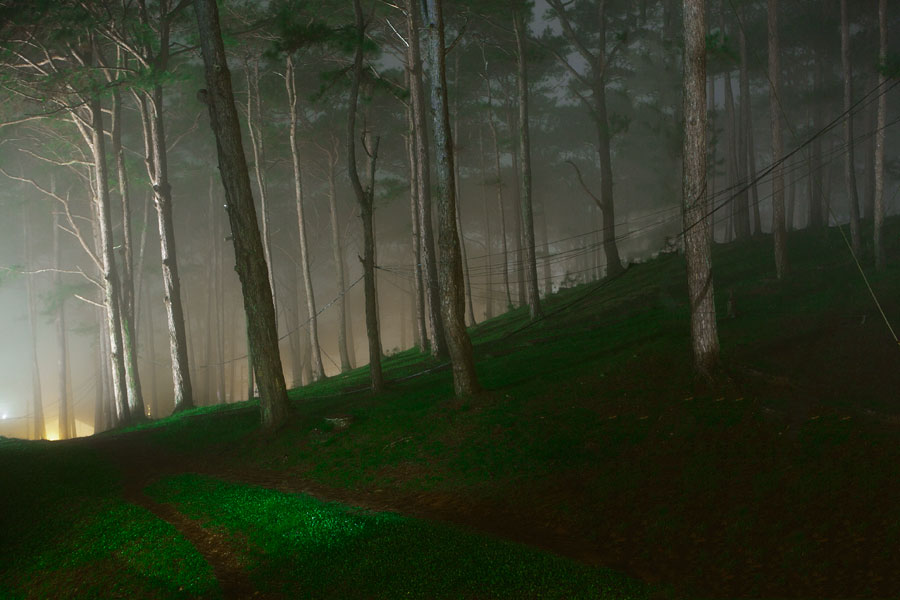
x=141, y=464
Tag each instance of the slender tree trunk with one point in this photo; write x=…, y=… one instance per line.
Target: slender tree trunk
x=110, y=273
x=365, y=197
x=248, y=246
x=748, y=156
x=817, y=218
x=129, y=324
x=868, y=199
x=465, y=381
x=849, y=158
x=704, y=336
x=151, y=358
x=316, y=354
x=158, y=169
x=525, y=200
x=456, y=183
x=607, y=204
x=257, y=143
x=423, y=178
x=337, y=250
x=488, y=242
x=39, y=431
x=421, y=332
x=504, y=250
x=781, y=262
x=62, y=344
x=520, y=230
x=880, y=124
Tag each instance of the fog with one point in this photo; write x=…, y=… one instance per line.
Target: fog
x=47, y=173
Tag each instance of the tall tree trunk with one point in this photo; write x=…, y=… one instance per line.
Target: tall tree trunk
x=781, y=263
x=316, y=354
x=365, y=197
x=739, y=215
x=257, y=143
x=607, y=204
x=534, y=300
x=488, y=242
x=151, y=358
x=520, y=230
x=62, y=345
x=504, y=250
x=101, y=416
x=423, y=178
x=337, y=250
x=868, y=199
x=421, y=332
x=162, y=198
x=39, y=431
x=456, y=184
x=880, y=124
x=817, y=218
x=248, y=246
x=704, y=335
x=849, y=159
x=465, y=382
x=748, y=152
x=129, y=324
x=110, y=273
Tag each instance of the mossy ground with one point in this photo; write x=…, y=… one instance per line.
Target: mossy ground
x=593, y=439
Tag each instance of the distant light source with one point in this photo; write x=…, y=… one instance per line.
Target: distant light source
x=4, y=416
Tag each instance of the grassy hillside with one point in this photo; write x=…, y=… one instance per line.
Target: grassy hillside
x=593, y=448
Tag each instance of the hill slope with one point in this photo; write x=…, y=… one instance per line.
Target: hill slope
x=593, y=441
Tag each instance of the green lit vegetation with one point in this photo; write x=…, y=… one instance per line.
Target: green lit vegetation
x=68, y=533
x=294, y=542
x=778, y=478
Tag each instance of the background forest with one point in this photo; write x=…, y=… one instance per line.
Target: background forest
x=599, y=173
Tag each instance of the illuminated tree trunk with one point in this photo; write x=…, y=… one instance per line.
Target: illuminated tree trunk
x=318, y=370
x=39, y=431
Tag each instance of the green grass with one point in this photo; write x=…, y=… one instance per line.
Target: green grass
x=294, y=542
x=777, y=480
x=67, y=533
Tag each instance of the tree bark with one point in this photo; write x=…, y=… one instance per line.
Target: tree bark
x=465, y=381
x=704, y=335
x=534, y=300
x=421, y=331
x=337, y=249
x=110, y=273
x=499, y=186
x=257, y=144
x=781, y=262
x=748, y=152
x=39, y=431
x=315, y=353
x=248, y=246
x=365, y=197
x=881, y=118
x=129, y=324
x=849, y=154
x=423, y=178
x=470, y=308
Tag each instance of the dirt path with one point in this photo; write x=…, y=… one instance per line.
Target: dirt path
x=141, y=464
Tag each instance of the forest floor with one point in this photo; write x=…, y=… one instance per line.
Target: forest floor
x=594, y=464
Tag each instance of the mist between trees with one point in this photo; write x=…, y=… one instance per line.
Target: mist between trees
x=393, y=173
